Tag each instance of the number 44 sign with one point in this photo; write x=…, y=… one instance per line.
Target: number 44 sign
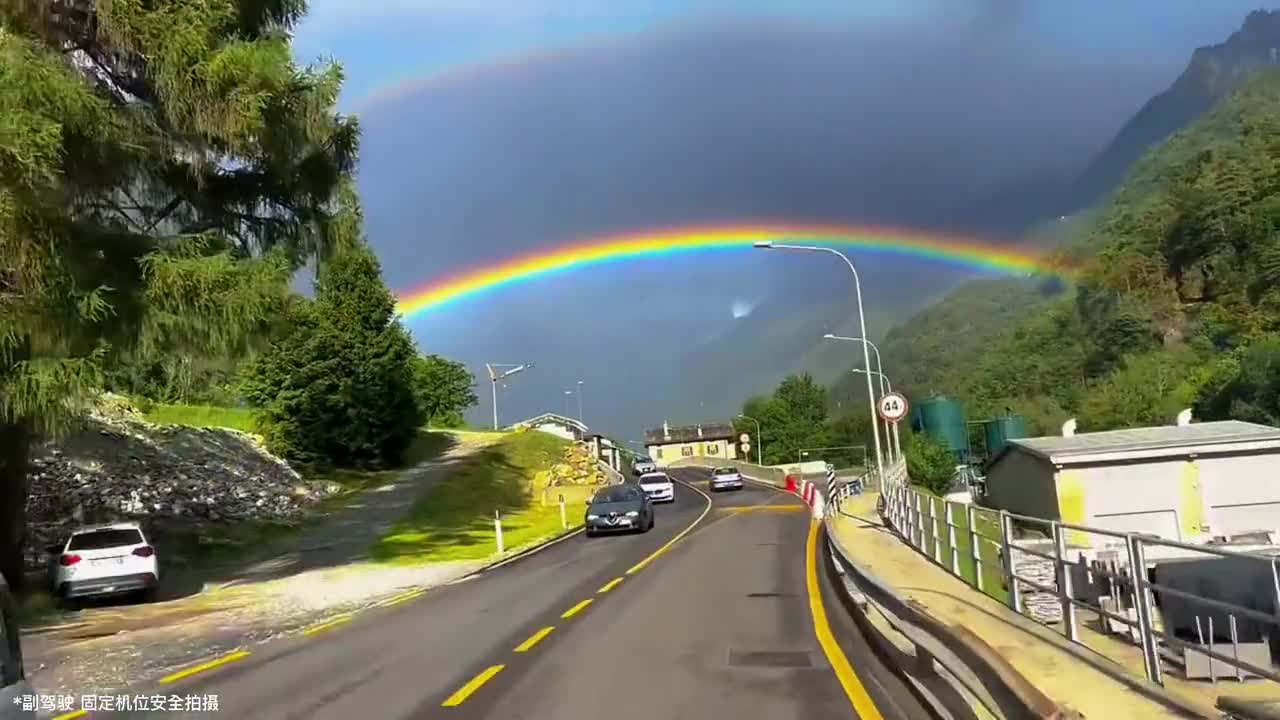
x=893, y=407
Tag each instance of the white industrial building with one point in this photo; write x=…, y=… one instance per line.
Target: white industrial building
x=1187, y=482
x=556, y=424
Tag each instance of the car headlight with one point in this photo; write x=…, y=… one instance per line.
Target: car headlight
x=633, y=513
x=593, y=517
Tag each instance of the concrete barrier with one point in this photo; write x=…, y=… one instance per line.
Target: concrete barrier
x=774, y=476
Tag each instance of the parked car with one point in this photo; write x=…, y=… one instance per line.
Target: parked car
x=619, y=508
x=643, y=465
x=658, y=486
x=104, y=560
x=13, y=681
x=726, y=478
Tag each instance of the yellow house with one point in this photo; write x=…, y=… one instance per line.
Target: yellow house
x=668, y=444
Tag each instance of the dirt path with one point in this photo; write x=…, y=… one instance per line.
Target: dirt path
x=326, y=569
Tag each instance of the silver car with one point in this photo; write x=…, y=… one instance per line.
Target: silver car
x=13, y=682
x=726, y=478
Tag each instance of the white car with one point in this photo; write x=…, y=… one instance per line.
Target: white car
x=658, y=486
x=726, y=478
x=106, y=560
x=644, y=465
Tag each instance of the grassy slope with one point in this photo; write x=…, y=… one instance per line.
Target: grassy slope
x=455, y=520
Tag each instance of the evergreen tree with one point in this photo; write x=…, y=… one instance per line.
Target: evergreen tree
x=443, y=389
x=339, y=389
x=148, y=153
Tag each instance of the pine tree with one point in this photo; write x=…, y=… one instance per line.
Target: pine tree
x=163, y=169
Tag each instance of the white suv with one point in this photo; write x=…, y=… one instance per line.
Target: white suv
x=106, y=560
x=659, y=487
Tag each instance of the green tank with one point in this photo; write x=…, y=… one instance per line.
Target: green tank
x=999, y=431
x=942, y=419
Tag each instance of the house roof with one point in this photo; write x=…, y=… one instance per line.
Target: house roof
x=689, y=433
x=554, y=418
x=1172, y=439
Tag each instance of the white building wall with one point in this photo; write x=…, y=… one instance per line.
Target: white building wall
x=1141, y=498
x=555, y=429
x=1241, y=493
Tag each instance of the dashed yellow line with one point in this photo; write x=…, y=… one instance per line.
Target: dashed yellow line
x=609, y=586
x=534, y=639
x=863, y=706
x=71, y=715
x=202, y=667
x=460, y=696
x=335, y=622
x=575, y=609
x=766, y=508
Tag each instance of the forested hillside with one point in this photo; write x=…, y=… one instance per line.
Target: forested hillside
x=1178, y=303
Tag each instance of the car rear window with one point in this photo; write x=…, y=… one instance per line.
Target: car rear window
x=652, y=479
x=101, y=539
x=724, y=471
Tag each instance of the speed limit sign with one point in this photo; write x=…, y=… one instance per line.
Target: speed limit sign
x=893, y=407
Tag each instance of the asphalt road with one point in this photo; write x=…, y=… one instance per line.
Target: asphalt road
x=718, y=624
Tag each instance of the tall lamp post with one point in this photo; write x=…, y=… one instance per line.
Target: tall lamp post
x=889, y=428
x=759, y=445
x=862, y=330
x=897, y=445
x=579, y=392
x=567, y=393
x=501, y=371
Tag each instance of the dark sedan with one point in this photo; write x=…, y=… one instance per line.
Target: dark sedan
x=619, y=508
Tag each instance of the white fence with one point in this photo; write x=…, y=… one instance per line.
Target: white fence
x=1121, y=594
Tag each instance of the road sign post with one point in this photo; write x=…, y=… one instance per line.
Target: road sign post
x=893, y=408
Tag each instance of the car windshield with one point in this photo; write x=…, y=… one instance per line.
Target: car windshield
x=614, y=495
x=101, y=539
x=724, y=471
x=644, y=460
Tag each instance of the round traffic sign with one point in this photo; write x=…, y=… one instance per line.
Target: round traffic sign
x=746, y=446
x=744, y=438
x=893, y=407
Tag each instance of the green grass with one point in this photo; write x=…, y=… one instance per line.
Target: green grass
x=988, y=527
x=202, y=416
x=455, y=520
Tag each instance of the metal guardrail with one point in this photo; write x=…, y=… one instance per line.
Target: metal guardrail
x=1134, y=597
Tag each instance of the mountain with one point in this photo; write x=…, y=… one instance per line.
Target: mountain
x=1212, y=74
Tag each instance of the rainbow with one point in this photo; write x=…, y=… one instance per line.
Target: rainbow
x=953, y=250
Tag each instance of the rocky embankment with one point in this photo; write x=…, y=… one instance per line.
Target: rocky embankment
x=120, y=467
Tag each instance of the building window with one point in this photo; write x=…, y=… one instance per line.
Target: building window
x=686, y=450
x=657, y=454
x=713, y=448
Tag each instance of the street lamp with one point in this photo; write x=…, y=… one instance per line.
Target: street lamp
x=759, y=445
x=497, y=373
x=897, y=445
x=862, y=330
x=567, y=393
x=888, y=426
x=580, y=403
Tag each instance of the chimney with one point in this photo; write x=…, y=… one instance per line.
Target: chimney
x=1184, y=418
x=666, y=430
x=1069, y=428
x=699, y=431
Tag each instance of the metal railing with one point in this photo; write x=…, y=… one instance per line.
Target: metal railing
x=978, y=545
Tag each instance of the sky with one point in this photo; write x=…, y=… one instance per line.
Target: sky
x=498, y=127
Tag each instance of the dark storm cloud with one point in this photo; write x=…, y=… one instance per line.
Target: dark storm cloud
x=907, y=125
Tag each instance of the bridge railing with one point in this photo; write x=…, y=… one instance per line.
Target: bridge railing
x=1082, y=579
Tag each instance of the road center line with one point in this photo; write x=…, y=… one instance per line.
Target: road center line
x=863, y=706
x=575, y=609
x=534, y=639
x=202, y=667
x=640, y=565
x=341, y=619
x=460, y=696
x=609, y=585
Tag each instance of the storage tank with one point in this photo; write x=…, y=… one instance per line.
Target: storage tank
x=942, y=419
x=999, y=431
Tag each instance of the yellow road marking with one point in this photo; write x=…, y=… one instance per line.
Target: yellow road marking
x=326, y=625
x=640, y=565
x=767, y=508
x=534, y=639
x=72, y=715
x=202, y=667
x=609, y=585
x=575, y=609
x=464, y=692
x=853, y=688
x=402, y=597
